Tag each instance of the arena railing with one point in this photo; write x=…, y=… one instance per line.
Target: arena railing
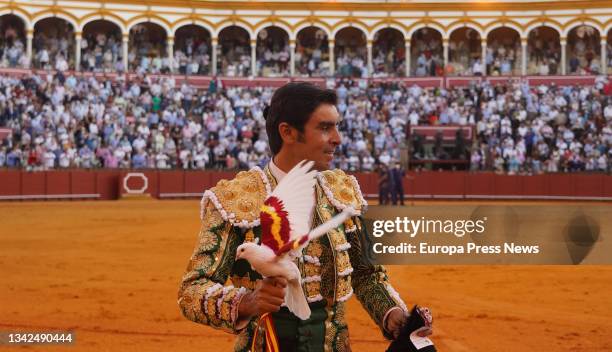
x=167, y=184
x=203, y=82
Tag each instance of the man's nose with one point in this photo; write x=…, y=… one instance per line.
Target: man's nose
x=336, y=138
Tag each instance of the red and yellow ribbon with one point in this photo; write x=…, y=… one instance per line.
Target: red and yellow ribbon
x=271, y=340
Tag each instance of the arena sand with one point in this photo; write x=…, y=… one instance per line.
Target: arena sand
x=110, y=272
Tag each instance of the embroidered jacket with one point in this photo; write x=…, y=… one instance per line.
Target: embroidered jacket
x=332, y=267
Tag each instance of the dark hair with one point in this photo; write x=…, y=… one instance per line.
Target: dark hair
x=293, y=103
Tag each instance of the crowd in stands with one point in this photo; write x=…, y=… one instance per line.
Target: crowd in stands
x=192, y=56
x=101, y=52
x=273, y=56
x=312, y=55
x=503, y=58
x=544, y=55
x=235, y=56
x=427, y=56
x=64, y=121
x=584, y=51
x=351, y=61
x=53, y=49
x=148, y=52
x=389, y=56
x=12, y=48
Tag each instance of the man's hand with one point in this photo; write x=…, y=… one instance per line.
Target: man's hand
x=396, y=320
x=267, y=297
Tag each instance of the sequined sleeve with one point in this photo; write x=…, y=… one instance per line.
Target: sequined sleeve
x=204, y=297
x=370, y=282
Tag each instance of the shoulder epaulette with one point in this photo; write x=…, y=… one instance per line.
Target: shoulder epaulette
x=239, y=200
x=342, y=190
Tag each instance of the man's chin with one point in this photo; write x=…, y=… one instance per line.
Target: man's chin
x=323, y=165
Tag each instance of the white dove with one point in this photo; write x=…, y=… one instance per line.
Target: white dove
x=285, y=223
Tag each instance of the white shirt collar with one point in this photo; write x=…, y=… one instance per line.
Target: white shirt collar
x=276, y=172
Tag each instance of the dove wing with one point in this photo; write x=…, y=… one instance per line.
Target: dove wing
x=286, y=211
x=296, y=191
x=300, y=242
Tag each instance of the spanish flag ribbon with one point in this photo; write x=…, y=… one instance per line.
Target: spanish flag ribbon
x=271, y=340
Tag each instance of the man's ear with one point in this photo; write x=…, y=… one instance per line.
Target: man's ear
x=288, y=133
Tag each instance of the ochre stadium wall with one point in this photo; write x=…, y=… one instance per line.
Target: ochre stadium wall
x=113, y=184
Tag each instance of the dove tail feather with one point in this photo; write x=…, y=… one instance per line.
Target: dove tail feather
x=331, y=224
x=296, y=300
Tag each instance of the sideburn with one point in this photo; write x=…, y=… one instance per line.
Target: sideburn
x=301, y=137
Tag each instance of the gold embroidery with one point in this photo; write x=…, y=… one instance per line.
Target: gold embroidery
x=330, y=177
x=208, y=240
x=330, y=334
x=348, y=224
x=312, y=289
x=242, y=340
x=211, y=305
x=341, y=313
x=337, y=238
x=342, y=190
x=246, y=282
x=311, y=269
x=314, y=249
x=342, y=341
x=343, y=262
x=243, y=196
x=343, y=286
x=226, y=306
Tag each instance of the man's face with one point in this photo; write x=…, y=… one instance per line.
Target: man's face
x=320, y=137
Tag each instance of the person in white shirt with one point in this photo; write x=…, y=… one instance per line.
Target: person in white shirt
x=161, y=160
x=477, y=68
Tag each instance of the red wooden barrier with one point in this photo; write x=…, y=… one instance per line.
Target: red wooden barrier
x=10, y=183
x=171, y=182
x=197, y=182
x=588, y=185
x=109, y=184
x=58, y=183
x=33, y=183
x=560, y=186
x=507, y=185
x=83, y=182
x=479, y=184
x=535, y=186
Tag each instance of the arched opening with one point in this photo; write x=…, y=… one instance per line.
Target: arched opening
x=350, y=53
x=543, y=51
x=53, y=44
x=503, y=52
x=101, y=47
x=389, y=53
x=13, y=42
x=464, y=52
x=148, y=49
x=426, y=53
x=234, y=58
x=192, y=50
x=583, y=51
x=312, y=52
x=273, y=52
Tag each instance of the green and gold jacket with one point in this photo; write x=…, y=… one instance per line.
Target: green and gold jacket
x=332, y=267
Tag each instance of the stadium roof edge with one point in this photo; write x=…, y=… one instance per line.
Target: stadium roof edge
x=390, y=5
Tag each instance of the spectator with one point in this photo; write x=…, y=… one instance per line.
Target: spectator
x=62, y=122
